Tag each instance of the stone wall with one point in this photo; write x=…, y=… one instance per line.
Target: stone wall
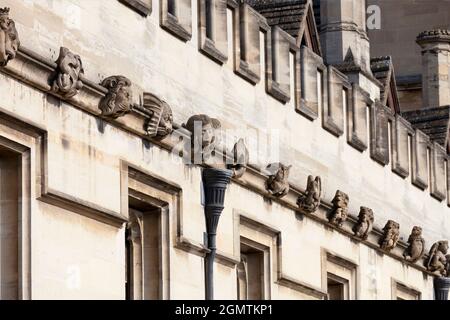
x=80, y=158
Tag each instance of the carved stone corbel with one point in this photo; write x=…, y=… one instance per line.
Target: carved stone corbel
x=416, y=245
x=365, y=223
x=117, y=102
x=240, y=159
x=277, y=184
x=339, y=212
x=391, y=235
x=9, y=38
x=67, y=81
x=160, y=123
x=311, y=200
x=204, y=137
x=438, y=261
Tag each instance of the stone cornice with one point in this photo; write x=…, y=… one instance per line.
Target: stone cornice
x=433, y=36
x=37, y=72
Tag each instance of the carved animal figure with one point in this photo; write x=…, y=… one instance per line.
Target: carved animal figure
x=204, y=137
x=117, y=102
x=277, y=183
x=240, y=159
x=339, y=213
x=9, y=38
x=391, y=235
x=437, y=260
x=67, y=81
x=160, y=123
x=311, y=200
x=416, y=246
x=365, y=223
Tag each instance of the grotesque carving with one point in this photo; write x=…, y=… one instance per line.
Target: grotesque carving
x=240, y=159
x=365, y=223
x=437, y=261
x=277, y=183
x=204, y=137
x=391, y=235
x=9, y=38
x=339, y=213
x=67, y=82
x=416, y=246
x=311, y=200
x=117, y=102
x=161, y=120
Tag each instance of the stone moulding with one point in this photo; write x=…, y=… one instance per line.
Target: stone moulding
x=143, y=7
x=333, y=111
x=36, y=71
x=179, y=26
x=212, y=29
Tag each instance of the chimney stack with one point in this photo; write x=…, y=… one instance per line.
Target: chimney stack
x=435, y=46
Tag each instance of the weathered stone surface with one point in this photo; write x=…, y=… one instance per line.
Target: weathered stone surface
x=357, y=118
x=213, y=29
x=402, y=131
x=67, y=82
x=339, y=212
x=312, y=71
x=438, y=260
x=438, y=183
x=420, y=159
x=204, y=137
x=391, y=236
x=311, y=200
x=380, y=116
x=277, y=184
x=247, y=58
x=416, y=245
x=176, y=17
x=241, y=158
x=160, y=123
x=9, y=38
x=364, y=225
x=338, y=97
x=117, y=101
x=279, y=79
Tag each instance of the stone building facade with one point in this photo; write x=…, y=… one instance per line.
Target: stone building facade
x=334, y=194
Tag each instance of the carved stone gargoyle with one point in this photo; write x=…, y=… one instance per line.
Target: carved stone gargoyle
x=67, y=81
x=160, y=123
x=117, y=102
x=438, y=261
x=277, y=184
x=240, y=159
x=416, y=245
x=204, y=137
x=339, y=212
x=365, y=223
x=9, y=38
x=391, y=235
x=311, y=200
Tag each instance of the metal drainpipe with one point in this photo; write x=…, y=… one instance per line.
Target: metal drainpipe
x=441, y=287
x=215, y=183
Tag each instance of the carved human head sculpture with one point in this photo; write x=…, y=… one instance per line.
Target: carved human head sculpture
x=204, y=135
x=117, y=102
x=9, y=38
x=161, y=121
